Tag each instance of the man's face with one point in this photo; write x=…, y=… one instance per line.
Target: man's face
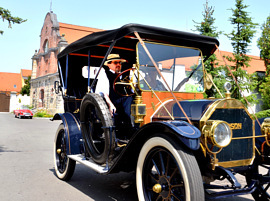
x=115, y=66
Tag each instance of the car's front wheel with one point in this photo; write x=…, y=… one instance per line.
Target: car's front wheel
x=64, y=166
x=260, y=172
x=165, y=171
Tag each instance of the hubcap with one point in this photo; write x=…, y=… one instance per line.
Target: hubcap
x=157, y=188
x=165, y=186
x=58, y=151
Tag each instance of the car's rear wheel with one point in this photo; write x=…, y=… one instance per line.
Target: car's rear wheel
x=64, y=166
x=165, y=171
x=96, y=125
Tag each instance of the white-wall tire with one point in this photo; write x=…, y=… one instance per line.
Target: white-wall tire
x=183, y=162
x=64, y=166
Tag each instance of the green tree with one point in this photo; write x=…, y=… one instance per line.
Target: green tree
x=6, y=15
x=26, y=88
x=207, y=28
x=264, y=46
x=241, y=36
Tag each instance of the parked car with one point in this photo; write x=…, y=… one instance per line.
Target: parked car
x=179, y=142
x=24, y=112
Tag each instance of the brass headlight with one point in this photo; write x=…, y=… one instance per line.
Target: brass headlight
x=218, y=132
x=265, y=129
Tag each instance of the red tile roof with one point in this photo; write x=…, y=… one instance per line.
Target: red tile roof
x=10, y=82
x=26, y=73
x=75, y=32
x=256, y=63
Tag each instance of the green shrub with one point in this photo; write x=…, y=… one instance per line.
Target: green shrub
x=263, y=114
x=42, y=113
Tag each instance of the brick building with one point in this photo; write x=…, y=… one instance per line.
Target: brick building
x=54, y=37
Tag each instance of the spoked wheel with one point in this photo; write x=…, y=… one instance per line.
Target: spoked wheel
x=167, y=172
x=262, y=173
x=64, y=166
x=96, y=124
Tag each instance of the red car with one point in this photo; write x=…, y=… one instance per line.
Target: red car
x=23, y=113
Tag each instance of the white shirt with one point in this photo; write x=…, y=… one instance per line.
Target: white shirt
x=103, y=84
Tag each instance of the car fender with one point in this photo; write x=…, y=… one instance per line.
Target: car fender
x=72, y=132
x=188, y=134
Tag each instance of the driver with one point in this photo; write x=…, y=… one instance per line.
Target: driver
x=117, y=103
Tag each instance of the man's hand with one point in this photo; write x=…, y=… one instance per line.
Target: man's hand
x=112, y=108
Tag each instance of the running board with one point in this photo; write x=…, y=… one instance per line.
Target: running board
x=89, y=163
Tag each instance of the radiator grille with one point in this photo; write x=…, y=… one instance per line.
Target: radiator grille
x=239, y=149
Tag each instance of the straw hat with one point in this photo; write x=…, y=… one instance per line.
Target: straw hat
x=113, y=57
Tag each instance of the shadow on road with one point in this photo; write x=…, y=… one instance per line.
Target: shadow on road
x=119, y=186
x=3, y=149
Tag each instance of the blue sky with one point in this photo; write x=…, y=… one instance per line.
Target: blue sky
x=18, y=45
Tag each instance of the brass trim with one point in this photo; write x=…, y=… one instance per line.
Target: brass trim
x=58, y=151
x=157, y=188
x=221, y=104
x=236, y=163
x=121, y=145
x=76, y=111
x=258, y=151
x=250, y=137
x=265, y=128
x=203, y=149
x=153, y=106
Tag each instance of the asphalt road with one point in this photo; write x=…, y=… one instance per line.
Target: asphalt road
x=27, y=173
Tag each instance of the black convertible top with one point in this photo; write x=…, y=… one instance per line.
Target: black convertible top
x=91, y=49
x=150, y=33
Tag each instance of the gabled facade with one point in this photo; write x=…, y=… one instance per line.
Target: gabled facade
x=54, y=37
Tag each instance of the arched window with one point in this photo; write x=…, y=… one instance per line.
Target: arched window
x=46, y=46
x=41, y=97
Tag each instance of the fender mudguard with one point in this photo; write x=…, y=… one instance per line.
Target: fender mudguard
x=180, y=131
x=73, y=132
x=186, y=133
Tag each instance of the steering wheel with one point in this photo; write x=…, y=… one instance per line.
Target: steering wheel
x=129, y=83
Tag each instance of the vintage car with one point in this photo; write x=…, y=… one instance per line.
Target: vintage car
x=23, y=112
x=179, y=144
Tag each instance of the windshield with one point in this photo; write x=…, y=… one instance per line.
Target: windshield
x=180, y=66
